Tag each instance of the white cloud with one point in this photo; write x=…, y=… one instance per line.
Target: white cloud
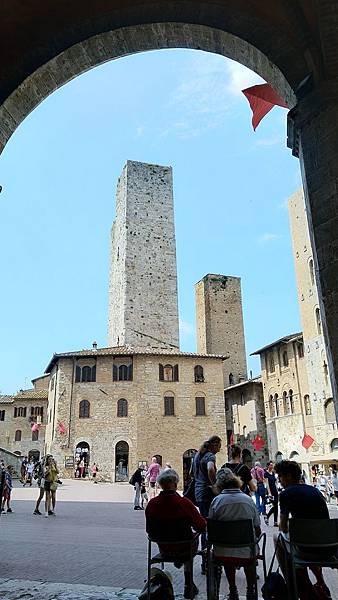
x=240, y=77
x=268, y=237
x=187, y=329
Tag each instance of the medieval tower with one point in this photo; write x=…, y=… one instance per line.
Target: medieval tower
x=219, y=319
x=143, y=305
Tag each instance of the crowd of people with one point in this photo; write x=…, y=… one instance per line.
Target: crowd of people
x=232, y=493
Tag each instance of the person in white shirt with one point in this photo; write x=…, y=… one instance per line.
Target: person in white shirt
x=233, y=505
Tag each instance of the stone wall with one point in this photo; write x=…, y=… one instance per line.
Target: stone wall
x=219, y=319
x=143, y=305
x=146, y=430
x=26, y=399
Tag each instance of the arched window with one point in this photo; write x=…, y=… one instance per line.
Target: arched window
x=122, y=408
x=86, y=374
x=17, y=437
x=123, y=373
x=334, y=444
x=285, y=359
x=279, y=456
x=318, y=320
x=198, y=373
x=276, y=406
x=169, y=406
x=271, y=406
x=292, y=404
x=231, y=379
x=300, y=348
x=330, y=415
x=294, y=455
x=307, y=404
x=271, y=362
x=35, y=435
x=200, y=406
x=84, y=409
x=286, y=404
x=20, y=411
x=168, y=372
x=2, y=415
x=312, y=271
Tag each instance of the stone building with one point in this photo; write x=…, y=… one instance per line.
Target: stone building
x=246, y=420
x=143, y=306
x=18, y=413
x=120, y=406
x=219, y=319
x=290, y=413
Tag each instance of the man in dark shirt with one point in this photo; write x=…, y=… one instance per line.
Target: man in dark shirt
x=301, y=501
x=241, y=470
x=170, y=518
x=270, y=478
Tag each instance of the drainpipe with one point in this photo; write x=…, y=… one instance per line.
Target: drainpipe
x=54, y=400
x=71, y=402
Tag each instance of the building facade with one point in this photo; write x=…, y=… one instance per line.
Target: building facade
x=246, y=420
x=17, y=415
x=120, y=406
x=219, y=320
x=143, y=305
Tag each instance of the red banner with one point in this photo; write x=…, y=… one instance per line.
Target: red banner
x=258, y=443
x=307, y=441
x=262, y=98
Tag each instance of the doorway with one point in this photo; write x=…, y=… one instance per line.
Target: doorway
x=188, y=458
x=82, y=453
x=34, y=454
x=121, y=461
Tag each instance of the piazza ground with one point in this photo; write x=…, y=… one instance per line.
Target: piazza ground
x=94, y=549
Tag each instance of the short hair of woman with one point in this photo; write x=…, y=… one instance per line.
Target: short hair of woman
x=167, y=477
x=226, y=479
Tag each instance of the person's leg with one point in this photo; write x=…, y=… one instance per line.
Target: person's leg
x=258, y=501
x=41, y=495
x=188, y=580
x=47, y=502
x=230, y=573
x=137, y=495
x=53, y=495
x=263, y=499
x=275, y=510
x=250, y=574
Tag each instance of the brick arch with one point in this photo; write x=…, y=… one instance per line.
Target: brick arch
x=44, y=60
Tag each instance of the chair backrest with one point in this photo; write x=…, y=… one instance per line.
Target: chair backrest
x=313, y=533
x=232, y=534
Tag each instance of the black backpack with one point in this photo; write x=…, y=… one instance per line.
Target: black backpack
x=274, y=587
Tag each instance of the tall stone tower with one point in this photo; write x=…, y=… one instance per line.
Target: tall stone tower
x=143, y=306
x=219, y=319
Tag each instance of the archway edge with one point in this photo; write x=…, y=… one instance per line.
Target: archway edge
x=125, y=41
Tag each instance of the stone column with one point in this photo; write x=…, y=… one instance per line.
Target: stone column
x=313, y=136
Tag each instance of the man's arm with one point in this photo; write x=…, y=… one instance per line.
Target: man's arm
x=252, y=485
x=284, y=513
x=198, y=523
x=211, y=469
x=284, y=523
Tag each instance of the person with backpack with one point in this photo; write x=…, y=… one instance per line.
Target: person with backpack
x=257, y=474
x=204, y=471
x=136, y=480
x=241, y=470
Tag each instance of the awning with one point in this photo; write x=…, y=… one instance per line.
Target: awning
x=324, y=458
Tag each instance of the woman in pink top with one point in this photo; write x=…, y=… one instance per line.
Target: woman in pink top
x=151, y=476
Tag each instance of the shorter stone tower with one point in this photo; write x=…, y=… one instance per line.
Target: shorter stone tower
x=219, y=319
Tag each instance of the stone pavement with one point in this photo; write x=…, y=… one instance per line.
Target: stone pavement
x=95, y=548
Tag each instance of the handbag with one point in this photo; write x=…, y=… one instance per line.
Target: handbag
x=274, y=587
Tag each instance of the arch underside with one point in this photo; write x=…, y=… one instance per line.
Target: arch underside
x=124, y=41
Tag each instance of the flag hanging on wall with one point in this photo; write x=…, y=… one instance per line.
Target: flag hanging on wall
x=307, y=441
x=262, y=98
x=232, y=439
x=35, y=427
x=61, y=428
x=258, y=443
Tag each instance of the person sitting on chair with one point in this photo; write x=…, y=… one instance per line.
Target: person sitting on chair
x=173, y=518
x=301, y=501
x=234, y=505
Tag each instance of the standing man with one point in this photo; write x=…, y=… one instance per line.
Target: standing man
x=257, y=473
x=151, y=476
x=136, y=480
x=241, y=470
x=204, y=470
x=270, y=477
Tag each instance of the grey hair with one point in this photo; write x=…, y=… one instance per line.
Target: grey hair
x=167, y=476
x=226, y=478
x=257, y=463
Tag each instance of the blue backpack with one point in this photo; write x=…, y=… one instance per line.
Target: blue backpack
x=274, y=587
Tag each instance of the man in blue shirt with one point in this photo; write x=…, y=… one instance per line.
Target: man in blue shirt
x=301, y=501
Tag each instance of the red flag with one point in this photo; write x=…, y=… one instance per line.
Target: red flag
x=35, y=427
x=307, y=441
x=61, y=428
x=258, y=443
x=232, y=439
x=262, y=98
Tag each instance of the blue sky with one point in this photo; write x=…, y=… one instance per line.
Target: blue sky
x=59, y=172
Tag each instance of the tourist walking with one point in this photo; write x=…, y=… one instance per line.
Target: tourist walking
x=270, y=477
x=82, y=467
x=39, y=475
x=94, y=470
x=136, y=480
x=151, y=476
x=257, y=473
x=233, y=505
x=7, y=491
x=23, y=470
x=51, y=483
x=239, y=468
x=144, y=495
x=204, y=471
x=29, y=473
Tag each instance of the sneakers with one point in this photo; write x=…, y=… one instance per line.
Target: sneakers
x=50, y=512
x=37, y=512
x=9, y=510
x=187, y=591
x=46, y=515
x=137, y=508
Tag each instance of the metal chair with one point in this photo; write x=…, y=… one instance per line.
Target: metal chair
x=174, y=557
x=231, y=534
x=309, y=538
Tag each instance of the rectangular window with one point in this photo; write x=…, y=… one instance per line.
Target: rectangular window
x=169, y=406
x=200, y=407
x=20, y=411
x=2, y=415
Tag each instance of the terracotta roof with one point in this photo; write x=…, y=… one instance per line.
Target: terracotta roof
x=128, y=351
x=283, y=340
x=25, y=395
